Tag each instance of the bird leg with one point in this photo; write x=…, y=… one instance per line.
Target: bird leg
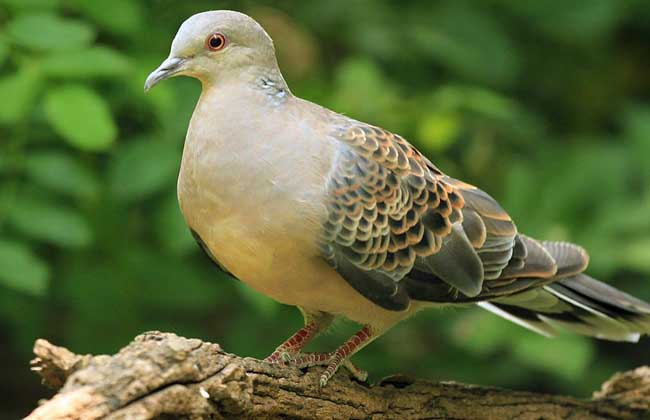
x=347, y=349
x=293, y=344
x=314, y=325
x=337, y=358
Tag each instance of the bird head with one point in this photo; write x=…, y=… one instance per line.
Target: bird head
x=213, y=46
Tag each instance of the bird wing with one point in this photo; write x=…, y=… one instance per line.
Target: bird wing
x=400, y=229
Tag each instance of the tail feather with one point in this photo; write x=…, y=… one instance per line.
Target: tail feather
x=521, y=317
x=580, y=304
x=607, y=300
x=607, y=296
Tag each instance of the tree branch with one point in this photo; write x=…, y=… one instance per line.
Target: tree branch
x=161, y=375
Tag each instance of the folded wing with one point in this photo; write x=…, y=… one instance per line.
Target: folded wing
x=399, y=229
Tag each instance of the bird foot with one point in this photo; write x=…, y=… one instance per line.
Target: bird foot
x=289, y=354
x=331, y=360
x=280, y=357
x=358, y=374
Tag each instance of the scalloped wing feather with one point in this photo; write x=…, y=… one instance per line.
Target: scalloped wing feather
x=388, y=207
x=399, y=229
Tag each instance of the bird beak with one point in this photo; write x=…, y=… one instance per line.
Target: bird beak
x=168, y=68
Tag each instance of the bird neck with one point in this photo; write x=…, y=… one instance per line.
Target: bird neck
x=271, y=83
x=265, y=80
x=276, y=88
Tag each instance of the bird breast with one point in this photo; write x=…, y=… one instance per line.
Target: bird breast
x=253, y=187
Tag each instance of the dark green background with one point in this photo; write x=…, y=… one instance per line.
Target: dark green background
x=544, y=104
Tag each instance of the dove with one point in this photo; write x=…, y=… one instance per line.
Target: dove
x=343, y=219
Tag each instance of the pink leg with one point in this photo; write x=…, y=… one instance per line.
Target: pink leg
x=294, y=343
x=353, y=345
x=314, y=325
x=337, y=358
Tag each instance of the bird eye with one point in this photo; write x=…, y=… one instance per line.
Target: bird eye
x=215, y=42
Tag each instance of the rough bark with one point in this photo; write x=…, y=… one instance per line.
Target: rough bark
x=161, y=375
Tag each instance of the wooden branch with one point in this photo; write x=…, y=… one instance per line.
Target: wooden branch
x=161, y=375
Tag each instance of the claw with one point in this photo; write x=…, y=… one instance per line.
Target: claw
x=323, y=380
x=358, y=374
x=289, y=354
x=286, y=357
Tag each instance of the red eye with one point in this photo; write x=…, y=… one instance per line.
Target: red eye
x=215, y=42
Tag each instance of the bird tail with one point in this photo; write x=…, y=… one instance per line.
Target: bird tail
x=578, y=303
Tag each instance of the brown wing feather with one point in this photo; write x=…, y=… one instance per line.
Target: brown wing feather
x=570, y=258
x=399, y=229
x=387, y=207
x=538, y=262
x=497, y=247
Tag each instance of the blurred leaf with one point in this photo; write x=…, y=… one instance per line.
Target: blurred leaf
x=635, y=254
x=171, y=229
x=471, y=42
x=566, y=356
x=19, y=5
x=636, y=122
x=22, y=88
x=475, y=99
x=481, y=333
x=376, y=38
x=438, y=130
x=520, y=198
x=49, y=32
x=143, y=167
x=99, y=61
x=81, y=117
x=577, y=20
x=156, y=278
x=296, y=48
x=48, y=222
x=636, y=125
x=577, y=187
x=21, y=269
x=119, y=16
x=4, y=50
x=92, y=288
x=362, y=90
x=62, y=173
x=262, y=304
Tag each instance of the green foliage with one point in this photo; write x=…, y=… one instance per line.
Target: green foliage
x=47, y=32
x=544, y=104
x=470, y=42
x=94, y=62
x=41, y=220
x=81, y=117
x=22, y=88
x=21, y=269
x=124, y=17
x=142, y=168
x=62, y=173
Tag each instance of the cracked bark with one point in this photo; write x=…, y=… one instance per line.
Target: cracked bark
x=162, y=375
